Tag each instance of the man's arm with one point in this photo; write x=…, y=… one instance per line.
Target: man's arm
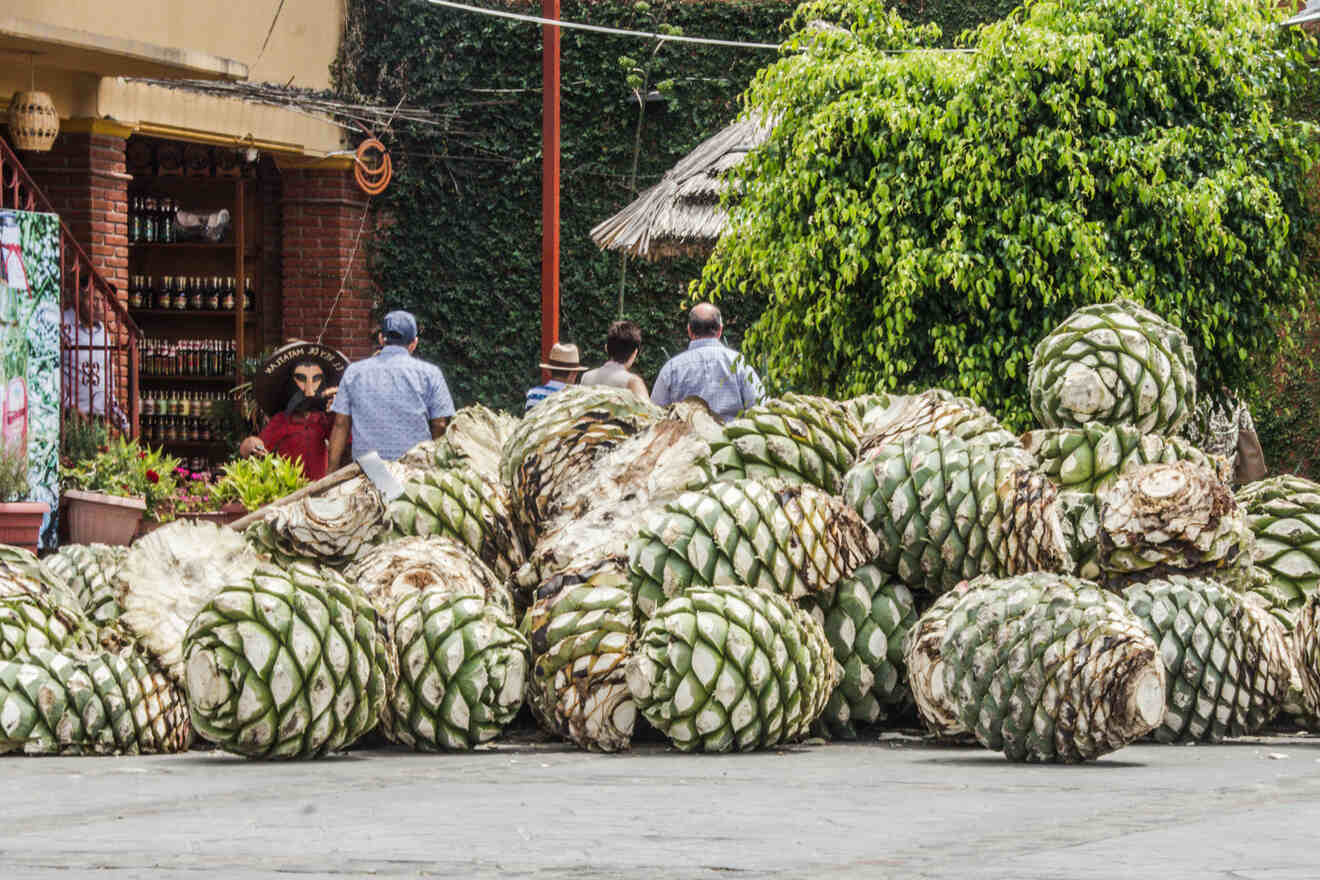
x=660, y=393
x=438, y=427
x=339, y=440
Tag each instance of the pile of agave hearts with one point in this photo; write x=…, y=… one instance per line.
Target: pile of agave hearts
x=811, y=567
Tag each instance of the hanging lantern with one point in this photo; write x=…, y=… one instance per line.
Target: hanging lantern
x=33, y=122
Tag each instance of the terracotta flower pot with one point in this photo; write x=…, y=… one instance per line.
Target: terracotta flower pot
x=105, y=519
x=20, y=523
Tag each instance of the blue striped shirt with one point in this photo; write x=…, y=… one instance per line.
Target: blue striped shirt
x=392, y=398
x=712, y=371
x=541, y=392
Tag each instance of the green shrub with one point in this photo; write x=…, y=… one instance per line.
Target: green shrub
x=922, y=218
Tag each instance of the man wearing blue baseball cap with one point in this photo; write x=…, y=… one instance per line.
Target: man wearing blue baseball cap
x=390, y=402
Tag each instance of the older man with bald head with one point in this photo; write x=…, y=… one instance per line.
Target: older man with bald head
x=708, y=369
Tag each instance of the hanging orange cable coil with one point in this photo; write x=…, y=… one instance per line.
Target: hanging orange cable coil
x=372, y=178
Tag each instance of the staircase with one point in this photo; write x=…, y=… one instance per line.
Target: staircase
x=98, y=352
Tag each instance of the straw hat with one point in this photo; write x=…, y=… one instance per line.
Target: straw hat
x=272, y=386
x=564, y=357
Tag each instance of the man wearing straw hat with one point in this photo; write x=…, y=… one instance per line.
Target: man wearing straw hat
x=564, y=366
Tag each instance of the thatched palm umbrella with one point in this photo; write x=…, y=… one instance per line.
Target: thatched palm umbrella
x=681, y=215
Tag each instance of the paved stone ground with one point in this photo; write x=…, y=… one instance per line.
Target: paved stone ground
x=893, y=808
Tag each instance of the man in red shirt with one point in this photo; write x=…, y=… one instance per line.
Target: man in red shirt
x=294, y=387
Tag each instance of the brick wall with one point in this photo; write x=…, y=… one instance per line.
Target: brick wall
x=85, y=179
x=322, y=213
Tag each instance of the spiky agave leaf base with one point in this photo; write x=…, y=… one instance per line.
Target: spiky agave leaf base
x=286, y=664
x=463, y=668
x=788, y=539
x=731, y=667
x=797, y=438
x=1114, y=363
x=462, y=504
x=580, y=627
x=1047, y=667
x=1175, y=518
x=168, y=576
x=1283, y=513
x=1226, y=660
x=89, y=570
x=866, y=618
x=90, y=704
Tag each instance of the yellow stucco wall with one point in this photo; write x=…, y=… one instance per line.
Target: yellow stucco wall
x=301, y=49
x=302, y=46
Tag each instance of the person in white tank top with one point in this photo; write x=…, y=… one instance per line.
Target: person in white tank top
x=622, y=343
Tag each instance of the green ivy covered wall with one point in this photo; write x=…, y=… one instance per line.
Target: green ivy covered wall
x=460, y=238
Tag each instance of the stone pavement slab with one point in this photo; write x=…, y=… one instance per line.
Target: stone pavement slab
x=897, y=807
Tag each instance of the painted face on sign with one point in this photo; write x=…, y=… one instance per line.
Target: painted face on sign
x=310, y=379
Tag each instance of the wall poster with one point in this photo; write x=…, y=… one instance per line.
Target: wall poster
x=30, y=352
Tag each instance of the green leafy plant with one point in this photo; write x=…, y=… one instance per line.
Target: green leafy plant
x=922, y=217
x=81, y=436
x=124, y=468
x=257, y=481
x=13, y=477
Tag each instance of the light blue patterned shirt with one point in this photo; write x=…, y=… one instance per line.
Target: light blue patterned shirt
x=712, y=371
x=392, y=398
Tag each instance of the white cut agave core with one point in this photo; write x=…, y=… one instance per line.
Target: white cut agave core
x=169, y=575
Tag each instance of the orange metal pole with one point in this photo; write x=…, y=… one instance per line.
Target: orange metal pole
x=549, y=179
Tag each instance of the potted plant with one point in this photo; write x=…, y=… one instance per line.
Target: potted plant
x=108, y=495
x=198, y=498
x=257, y=481
x=20, y=521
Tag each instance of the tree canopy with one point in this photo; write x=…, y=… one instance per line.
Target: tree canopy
x=922, y=217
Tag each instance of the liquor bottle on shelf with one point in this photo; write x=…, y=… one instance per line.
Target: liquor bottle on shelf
x=135, y=291
x=227, y=298
x=165, y=232
x=195, y=295
x=179, y=296
x=148, y=224
x=164, y=292
x=249, y=299
x=211, y=296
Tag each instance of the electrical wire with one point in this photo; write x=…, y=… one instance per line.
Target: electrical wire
x=595, y=28
x=649, y=35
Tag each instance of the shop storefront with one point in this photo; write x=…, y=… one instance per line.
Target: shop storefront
x=223, y=225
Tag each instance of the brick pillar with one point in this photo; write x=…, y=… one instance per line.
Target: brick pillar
x=323, y=210
x=85, y=179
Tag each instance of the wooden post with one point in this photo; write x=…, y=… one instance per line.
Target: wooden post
x=549, y=180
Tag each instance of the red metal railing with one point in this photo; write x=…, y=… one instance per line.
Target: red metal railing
x=98, y=339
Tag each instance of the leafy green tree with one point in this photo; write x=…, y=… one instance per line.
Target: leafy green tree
x=923, y=217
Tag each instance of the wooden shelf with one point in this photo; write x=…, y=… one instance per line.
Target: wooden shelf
x=191, y=444
x=190, y=313
x=182, y=246
x=188, y=380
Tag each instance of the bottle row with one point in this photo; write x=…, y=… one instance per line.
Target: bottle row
x=188, y=357
x=181, y=415
x=151, y=219
x=188, y=293
x=175, y=429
